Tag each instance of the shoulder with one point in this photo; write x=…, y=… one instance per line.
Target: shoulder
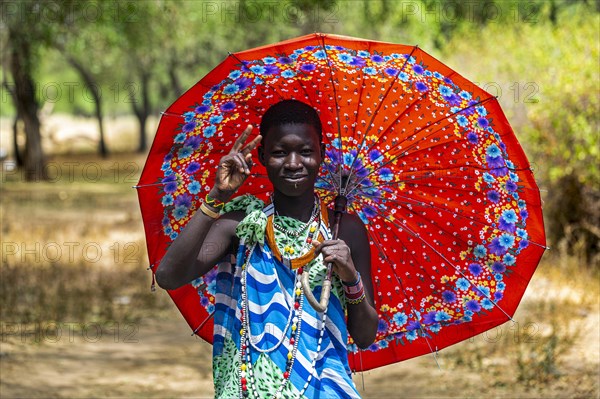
x=230, y=219
x=352, y=231
x=235, y=211
x=224, y=227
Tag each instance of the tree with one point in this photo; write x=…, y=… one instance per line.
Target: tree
x=30, y=26
x=22, y=40
x=87, y=47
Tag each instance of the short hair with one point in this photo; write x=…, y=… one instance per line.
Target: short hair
x=290, y=112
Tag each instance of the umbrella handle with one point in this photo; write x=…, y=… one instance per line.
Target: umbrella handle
x=319, y=306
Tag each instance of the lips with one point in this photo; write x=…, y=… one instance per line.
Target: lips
x=295, y=178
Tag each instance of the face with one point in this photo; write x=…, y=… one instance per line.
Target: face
x=292, y=154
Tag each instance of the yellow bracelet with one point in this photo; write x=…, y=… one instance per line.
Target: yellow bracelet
x=208, y=212
x=216, y=204
x=356, y=301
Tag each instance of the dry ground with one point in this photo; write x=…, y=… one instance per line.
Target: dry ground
x=158, y=358
x=553, y=352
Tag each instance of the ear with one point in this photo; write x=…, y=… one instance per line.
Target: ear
x=261, y=155
x=322, y=151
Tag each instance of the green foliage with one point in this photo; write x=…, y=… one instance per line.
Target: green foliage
x=546, y=77
x=540, y=57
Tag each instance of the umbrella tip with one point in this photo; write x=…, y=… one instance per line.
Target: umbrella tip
x=435, y=357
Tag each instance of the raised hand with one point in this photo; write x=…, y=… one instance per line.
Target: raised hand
x=234, y=167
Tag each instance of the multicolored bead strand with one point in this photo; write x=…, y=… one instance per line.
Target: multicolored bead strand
x=247, y=387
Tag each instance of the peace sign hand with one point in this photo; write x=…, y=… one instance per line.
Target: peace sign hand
x=234, y=167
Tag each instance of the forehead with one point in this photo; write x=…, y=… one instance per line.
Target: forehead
x=292, y=134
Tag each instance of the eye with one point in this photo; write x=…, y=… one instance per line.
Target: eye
x=307, y=151
x=277, y=153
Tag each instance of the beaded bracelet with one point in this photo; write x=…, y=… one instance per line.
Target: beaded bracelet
x=208, y=212
x=357, y=300
x=355, y=293
x=215, y=203
x=354, y=289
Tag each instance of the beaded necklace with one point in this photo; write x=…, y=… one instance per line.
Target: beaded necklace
x=287, y=258
x=246, y=376
x=302, y=229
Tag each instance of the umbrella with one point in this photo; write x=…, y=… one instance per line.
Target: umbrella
x=424, y=157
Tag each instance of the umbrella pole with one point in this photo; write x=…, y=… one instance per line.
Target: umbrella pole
x=321, y=305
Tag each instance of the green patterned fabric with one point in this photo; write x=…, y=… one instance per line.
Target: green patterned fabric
x=252, y=228
x=224, y=367
x=283, y=240
x=246, y=203
x=315, y=267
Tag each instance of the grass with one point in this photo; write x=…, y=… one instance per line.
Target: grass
x=541, y=351
x=73, y=248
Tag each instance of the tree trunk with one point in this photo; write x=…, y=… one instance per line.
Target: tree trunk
x=141, y=111
x=27, y=106
x=16, y=150
x=174, y=79
x=15, y=126
x=90, y=83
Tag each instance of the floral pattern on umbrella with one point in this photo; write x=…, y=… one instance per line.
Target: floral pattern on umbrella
x=426, y=159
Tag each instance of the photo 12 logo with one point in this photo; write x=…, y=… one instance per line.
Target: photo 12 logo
x=70, y=252
x=69, y=332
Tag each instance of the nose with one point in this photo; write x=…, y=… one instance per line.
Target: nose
x=292, y=161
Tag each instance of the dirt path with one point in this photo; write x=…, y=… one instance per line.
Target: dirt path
x=154, y=359
x=160, y=359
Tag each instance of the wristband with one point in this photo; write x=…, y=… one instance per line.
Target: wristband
x=357, y=300
x=215, y=203
x=355, y=288
x=208, y=212
x=355, y=282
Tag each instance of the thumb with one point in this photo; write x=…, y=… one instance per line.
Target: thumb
x=315, y=244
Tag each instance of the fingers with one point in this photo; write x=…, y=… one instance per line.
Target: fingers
x=331, y=247
x=252, y=145
x=242, y=164
x=239, y=143
x=236, y=163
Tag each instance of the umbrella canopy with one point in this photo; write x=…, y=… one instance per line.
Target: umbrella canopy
x=426, y=159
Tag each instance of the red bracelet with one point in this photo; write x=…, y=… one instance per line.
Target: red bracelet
x=354, y=288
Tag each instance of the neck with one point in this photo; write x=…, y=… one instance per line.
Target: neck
x=298, y=207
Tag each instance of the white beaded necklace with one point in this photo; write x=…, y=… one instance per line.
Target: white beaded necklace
x=246, y=375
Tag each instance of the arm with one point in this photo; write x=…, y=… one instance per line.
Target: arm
x=205, y=241
x=349, y=254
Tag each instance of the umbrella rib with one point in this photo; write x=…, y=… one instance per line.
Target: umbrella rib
x=337, y=107
x=377, y=109
x=425, y=205
x=210, y=315
x=430, y=174
x=417, y=235
x=360, y=93
x=410, y=301
x=405, y=152
x=410, y=200
x=329, y=181
x=421, y=267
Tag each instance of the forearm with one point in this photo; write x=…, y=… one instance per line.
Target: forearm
x=180, y=265
x=362, y=322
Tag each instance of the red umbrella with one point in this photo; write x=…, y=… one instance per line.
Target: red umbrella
x=426, y=158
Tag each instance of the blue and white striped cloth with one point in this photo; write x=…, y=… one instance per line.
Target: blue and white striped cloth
x=270, y=287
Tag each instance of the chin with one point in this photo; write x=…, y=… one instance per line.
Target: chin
x=295, y=192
